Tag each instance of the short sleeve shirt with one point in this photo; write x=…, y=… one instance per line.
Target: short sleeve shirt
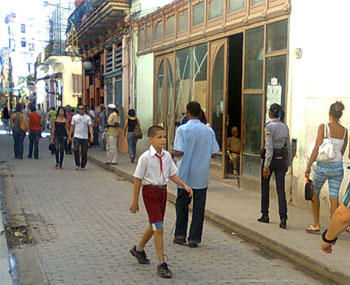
x=149, y=169
x=113, y=119
x=198, y=142
x=81, y=123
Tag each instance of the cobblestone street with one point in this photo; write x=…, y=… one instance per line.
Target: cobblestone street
x=83, y=232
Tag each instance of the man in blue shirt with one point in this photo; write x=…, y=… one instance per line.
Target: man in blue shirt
x=195, y=144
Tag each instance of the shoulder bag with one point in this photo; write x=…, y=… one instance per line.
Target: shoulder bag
x=326, y=149
x=22, y=123
x=137, y=131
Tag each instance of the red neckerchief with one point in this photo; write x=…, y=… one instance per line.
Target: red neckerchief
x=160, y=163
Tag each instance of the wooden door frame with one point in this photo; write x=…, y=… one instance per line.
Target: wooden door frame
x=213, y=49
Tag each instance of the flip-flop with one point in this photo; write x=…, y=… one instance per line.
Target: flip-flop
x=312, y=230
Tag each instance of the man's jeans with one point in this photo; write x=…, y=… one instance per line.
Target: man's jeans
x=18, y=138
x=34, y=137
x=112, y=151
x=84, y=150
x=101, y=130
x=182, y=203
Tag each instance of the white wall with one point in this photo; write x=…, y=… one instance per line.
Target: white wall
x=319, y=77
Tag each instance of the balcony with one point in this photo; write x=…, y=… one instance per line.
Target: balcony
x=93, y=18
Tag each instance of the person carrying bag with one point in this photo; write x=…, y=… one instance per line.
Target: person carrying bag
x=329, y=149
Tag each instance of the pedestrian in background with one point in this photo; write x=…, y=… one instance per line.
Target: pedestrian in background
x=129, y=131
x=154, y=168
x=195, y=144
x=102, y=122
x=59, y=135
x=42, y=113
x=331, y=170
x=51, y=114
x=81, y=127
x=277, y=159
x=35, y=127
x=69, y=116
x=5, y=118
x=113, y=123
x=19, y=126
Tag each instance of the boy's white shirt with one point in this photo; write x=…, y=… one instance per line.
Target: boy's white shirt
x=148, y=167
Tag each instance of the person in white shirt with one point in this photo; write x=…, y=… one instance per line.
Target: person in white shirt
x=154, y=168
x=80, y=126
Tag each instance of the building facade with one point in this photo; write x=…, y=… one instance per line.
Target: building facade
x=237, y=58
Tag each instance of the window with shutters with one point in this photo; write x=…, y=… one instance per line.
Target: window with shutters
x=77, y=84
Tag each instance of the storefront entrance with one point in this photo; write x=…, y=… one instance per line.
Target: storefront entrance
x=235, y=79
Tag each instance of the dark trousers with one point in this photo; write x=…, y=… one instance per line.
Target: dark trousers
x=18, y=138
x=34, y=137
x=83, y=143
x=68, y=148
x=182, y=203
x=278, y=166
x=60, y=143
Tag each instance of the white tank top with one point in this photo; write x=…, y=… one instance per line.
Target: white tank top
x=337, y=146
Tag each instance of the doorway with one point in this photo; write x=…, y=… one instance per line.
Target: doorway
x=234, y=106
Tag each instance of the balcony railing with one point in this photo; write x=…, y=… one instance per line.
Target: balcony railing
x=84, y=12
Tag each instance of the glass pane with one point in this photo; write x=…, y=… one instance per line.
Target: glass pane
x=170, y=26
x=215, y=9
x=275, y=80
x=170, y=107
x=160, y=93
x=218, y=94
x=183, y=18
x=277, y=36
x=191, y=79
x=141, y=38
x=252, y=124
x=159, y=31
x=254, y=56
x=255, y=2
x=109, y=92
x=148, y=35
x=236, y=5
x=198, y=14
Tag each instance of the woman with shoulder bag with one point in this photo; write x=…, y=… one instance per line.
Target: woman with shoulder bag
x=59, y=135
x=129, y=130
x=332, y=169
x=19, y=126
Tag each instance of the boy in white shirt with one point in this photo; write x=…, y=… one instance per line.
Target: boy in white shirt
x=154, y=168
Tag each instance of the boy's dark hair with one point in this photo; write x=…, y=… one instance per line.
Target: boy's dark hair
x=152, y=131
x=194, y=108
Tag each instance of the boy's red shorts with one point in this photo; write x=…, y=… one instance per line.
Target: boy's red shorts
x=154, y=199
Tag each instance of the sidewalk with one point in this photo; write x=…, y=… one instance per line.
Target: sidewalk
x=238, y=210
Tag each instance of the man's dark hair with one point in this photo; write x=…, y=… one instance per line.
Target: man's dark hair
x=132, y=113
x=194, y=108
x=152, y=131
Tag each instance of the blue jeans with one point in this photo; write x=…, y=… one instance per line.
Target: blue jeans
x=182, y=203
x=34, y=137
x=100, y=138
x=18, y=138
x=132, y=144
x=6, y=124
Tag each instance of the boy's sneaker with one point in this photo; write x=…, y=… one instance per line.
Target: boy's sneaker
x=140, y=255
x=163, y=271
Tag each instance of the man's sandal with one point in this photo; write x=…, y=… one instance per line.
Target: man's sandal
x=312, y=230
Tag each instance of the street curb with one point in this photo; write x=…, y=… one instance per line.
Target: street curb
x=250, y=235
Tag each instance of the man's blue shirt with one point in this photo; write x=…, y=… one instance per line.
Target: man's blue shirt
x=197, y=141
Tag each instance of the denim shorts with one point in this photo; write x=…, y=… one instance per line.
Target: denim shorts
x=331, y=171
